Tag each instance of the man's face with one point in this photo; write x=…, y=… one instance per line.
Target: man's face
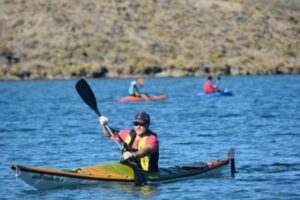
x=140, y=128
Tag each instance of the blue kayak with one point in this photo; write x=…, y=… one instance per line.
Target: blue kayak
x=216, y=94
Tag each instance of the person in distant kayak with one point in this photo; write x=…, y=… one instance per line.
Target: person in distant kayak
x=141, y=145
x=133, y=89
x=210, y=86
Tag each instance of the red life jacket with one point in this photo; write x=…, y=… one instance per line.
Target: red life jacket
x=207, y=87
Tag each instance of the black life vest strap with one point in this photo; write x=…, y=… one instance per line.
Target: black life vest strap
x=127, y=147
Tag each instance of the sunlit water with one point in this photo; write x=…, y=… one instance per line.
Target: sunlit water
x=45, y=123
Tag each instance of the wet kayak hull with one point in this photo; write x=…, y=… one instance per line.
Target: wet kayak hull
x=45, y=178
x=215, y=94
x=134, y=98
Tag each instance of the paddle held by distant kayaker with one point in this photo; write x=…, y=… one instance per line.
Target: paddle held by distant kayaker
x=141, y=145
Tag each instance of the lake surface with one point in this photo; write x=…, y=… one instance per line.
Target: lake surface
x=45, y=123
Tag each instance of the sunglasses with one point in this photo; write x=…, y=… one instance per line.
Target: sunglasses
x=138, y=124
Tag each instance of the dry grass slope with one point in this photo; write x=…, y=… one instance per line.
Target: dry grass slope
x=118, y=38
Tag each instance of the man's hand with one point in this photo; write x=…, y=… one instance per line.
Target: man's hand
x=127, y=155
x=103, y=120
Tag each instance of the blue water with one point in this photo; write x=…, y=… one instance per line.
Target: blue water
x=45, y=123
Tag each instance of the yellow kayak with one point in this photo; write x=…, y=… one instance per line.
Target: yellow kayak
x=46, y=178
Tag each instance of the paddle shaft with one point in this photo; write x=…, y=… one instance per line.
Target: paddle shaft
x=112, y=135
x=88, y=96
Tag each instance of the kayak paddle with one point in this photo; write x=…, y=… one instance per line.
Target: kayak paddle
x=87, y=95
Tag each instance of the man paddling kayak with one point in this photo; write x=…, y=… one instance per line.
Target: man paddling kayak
x=141, y=145
x=209, y=86
x=133, y=89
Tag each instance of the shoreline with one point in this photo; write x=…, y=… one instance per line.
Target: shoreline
x=162, y=74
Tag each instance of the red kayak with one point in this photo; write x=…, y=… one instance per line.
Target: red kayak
x=134, y=98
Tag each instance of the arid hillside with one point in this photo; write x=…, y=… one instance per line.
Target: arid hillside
x=46, y=39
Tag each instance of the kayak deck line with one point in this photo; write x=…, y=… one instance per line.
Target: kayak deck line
x=46, y=178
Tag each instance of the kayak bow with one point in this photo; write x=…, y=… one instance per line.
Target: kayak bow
x=45, y=178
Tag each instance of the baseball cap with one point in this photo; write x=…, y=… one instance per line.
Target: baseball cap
x=142, y=117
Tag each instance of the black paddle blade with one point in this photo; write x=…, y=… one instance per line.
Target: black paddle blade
x=232, y=168
x=139, y=178
x=87, y=95
x=232, y=163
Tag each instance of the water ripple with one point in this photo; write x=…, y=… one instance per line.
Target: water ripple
x=43, y=127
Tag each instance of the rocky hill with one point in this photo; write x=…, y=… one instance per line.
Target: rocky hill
x=118, y=38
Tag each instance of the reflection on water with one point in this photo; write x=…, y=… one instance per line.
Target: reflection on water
x=145, y=190
x=124, y=189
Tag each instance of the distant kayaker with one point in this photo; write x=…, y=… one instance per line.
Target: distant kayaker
x=133, y=89
x=140, y=144
x=209, y=86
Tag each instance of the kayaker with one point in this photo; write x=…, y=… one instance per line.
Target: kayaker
x=209, y=86
x=140, y=144
x=133, y=89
